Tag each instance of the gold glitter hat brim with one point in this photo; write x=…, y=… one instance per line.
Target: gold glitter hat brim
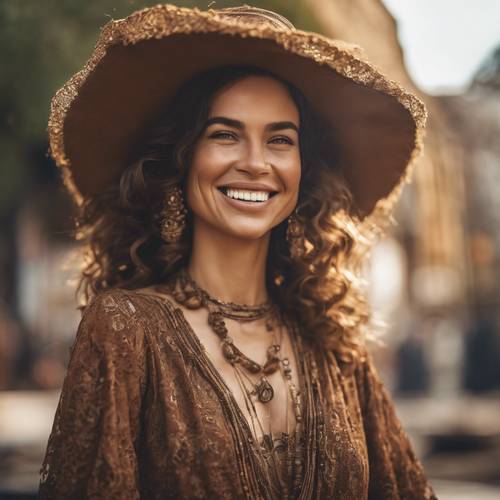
x=139, y=62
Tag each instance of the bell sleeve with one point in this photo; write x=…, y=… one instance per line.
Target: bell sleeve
x=395, y=473
x=91, y=452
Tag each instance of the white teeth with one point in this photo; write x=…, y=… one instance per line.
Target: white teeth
x=247, y=195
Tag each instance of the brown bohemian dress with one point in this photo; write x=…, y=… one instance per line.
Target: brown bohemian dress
x=145, y=414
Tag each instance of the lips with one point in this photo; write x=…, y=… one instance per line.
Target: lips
x=247, y=206
x=249, y=186
x=247, y=195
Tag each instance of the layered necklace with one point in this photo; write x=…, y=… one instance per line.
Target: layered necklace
x=190, y=295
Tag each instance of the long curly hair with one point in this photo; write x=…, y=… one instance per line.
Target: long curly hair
x=120, y=228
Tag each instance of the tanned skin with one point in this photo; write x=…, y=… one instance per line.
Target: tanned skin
x=251, y=141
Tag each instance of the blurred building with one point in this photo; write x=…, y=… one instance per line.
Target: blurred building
x=476, y=119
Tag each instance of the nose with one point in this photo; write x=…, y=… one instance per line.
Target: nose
x=254, y=163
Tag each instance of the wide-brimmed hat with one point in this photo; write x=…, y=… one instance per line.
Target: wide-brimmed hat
x=140, y=62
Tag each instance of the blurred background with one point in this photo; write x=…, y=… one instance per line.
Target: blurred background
x=434, y=278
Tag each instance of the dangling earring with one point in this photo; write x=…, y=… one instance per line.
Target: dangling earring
x=295, y=236
x=173, y=215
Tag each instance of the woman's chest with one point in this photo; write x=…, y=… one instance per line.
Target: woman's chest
x=195, y=414
x=265, y=398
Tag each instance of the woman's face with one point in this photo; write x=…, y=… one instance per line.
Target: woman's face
x=245, y=172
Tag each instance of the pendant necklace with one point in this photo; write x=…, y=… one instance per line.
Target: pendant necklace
x=189, y=294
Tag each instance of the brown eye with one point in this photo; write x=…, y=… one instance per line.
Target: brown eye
x=222, y=135
x=282, y=140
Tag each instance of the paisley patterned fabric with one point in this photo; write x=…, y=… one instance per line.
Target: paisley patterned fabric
x=144, y=414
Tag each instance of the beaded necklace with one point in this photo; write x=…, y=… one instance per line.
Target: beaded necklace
x=189, y=294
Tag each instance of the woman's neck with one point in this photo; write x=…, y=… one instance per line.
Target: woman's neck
x=228, y=268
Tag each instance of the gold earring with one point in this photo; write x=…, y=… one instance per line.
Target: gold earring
x=173, y=215
x=295, y=237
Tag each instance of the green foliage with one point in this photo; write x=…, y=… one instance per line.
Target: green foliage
x=42, y=43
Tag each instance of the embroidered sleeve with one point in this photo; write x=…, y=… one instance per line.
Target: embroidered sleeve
x=91, y=452
x=395, y=471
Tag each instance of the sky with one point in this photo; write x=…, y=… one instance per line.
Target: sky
x=445, y=41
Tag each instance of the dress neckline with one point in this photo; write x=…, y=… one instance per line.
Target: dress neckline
x=246, y=440
x=228, y=393
x=216, y=373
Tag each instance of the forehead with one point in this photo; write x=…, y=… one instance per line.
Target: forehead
x=255, y=96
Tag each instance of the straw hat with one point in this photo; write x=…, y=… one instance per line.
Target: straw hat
x=140, y=62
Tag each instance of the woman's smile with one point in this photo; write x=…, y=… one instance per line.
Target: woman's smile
x=238, y=201
x=245, y=174
x=248, y=195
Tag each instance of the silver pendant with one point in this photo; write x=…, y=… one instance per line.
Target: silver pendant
x=265, y=391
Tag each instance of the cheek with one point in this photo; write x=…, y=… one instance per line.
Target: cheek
x=195, y=192
x=294, y=179
x=194, y=181
x=292, y=175
x=202, y=174
x=208, y=163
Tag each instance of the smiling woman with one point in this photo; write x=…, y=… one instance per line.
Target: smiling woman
x=221, y=351
x=250, y=144
x=229, y=132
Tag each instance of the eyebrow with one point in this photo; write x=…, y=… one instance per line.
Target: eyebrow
x=230, y=122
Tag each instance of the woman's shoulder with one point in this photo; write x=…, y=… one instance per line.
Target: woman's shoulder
x=348, y=364
x=124, y=324
x=126, y=315
x=370, y=387
x=132, y=304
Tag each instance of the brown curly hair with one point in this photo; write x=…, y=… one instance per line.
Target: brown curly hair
x=120, y=228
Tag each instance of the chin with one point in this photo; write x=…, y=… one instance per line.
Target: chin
x=249, y=232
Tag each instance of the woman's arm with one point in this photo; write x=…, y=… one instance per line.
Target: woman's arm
x=91, y=453
x=395, y=471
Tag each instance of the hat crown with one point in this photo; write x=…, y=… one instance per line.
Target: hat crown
x=256, y=15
